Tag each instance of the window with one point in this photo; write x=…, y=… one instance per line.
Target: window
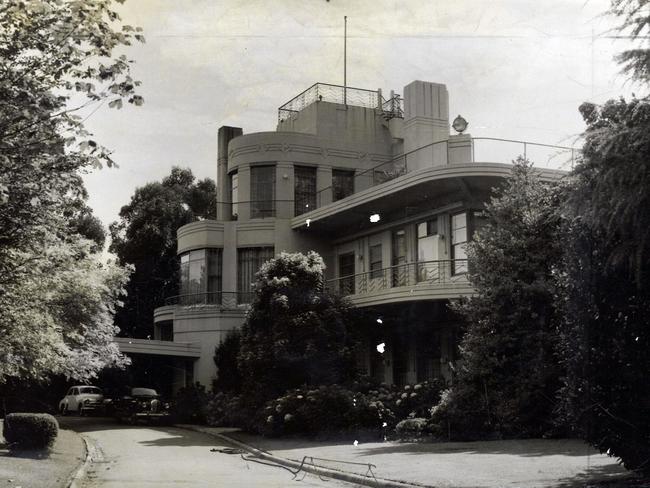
x=459, y=242
x=249, y=261
x=342, y=184
x=375, y=262
x=234, y=195
x=346, y=273
x=399, y=266
x=304, y=189
x=201, y=272
x=428, y=246
x=262, y=191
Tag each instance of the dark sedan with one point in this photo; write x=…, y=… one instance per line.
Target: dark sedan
x=142, y=405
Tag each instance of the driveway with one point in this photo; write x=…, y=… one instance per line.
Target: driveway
x=166, y=457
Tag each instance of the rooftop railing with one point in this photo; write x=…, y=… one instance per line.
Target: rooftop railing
x=441, y=273
x=359, y=97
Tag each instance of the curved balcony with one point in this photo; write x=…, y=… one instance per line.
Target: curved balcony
x=424, y=280
x=224, y=300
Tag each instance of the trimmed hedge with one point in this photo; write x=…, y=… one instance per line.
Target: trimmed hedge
x=30, y=430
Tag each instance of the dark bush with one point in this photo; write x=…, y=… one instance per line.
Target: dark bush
x=324, y=412
x=225, y=358
x=225, y=410
x=30, y=430
x=413, y=428
x=190, y=404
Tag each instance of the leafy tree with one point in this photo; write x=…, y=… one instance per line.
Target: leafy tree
x=57, y=299
x=295, y=333
x=225, y=358
x=606, y=337
x=634, y=21
x=145, y=237
x=508, y=377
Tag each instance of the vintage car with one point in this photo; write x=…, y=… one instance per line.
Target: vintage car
x=141, y=404
x=82, y=400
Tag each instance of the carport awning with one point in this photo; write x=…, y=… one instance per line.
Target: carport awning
x=128, y=345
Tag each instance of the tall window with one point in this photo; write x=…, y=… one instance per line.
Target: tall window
x=304, y=189
x=428, y=269
x=342, y=184
x=346, y=273
x=375, y=261
x=262, y=191
x=234, y=195
x=459, y=242
x=249, y=260
x=400, y=271
x=201, y=272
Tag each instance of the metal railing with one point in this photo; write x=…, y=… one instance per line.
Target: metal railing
x=437, y=154
x=536, y=152
x=442, y=272
x=359, y=97
x=226, y=300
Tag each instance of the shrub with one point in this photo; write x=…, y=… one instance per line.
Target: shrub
x=460, y=415
x=30, y=430
x=225, y=358
x=326, y=411
x=412, y=428
x=225, y=410
x=190, y=404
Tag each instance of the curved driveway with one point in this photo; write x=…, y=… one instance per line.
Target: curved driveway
x=168, y=457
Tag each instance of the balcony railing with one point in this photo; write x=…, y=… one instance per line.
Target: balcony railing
x=443, y=273
x=226, y=300
x=358, y=97
x=485, y=149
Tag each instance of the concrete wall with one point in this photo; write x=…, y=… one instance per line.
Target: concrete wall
x=205, y=327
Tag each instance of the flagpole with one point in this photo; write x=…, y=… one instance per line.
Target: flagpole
x=345, y=60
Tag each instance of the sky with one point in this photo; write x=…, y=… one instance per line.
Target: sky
x=515, y=69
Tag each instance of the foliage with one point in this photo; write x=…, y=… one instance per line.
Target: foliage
x=30, y=430
x=408, y=401
x=59, y=318
x=358, y=410
x=145, y=237
x=53, y=53
x=606, y=336
x=190, y=404
x=295, y=334
x=329, y=410
x=508, y=376
x=225, y=358
x=412, y=428
x=225, y=410
x=634, y=21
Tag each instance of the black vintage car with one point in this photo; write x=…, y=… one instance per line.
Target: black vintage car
x=141, y=404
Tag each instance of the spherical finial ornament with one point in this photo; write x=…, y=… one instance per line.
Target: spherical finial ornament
x=459, y=124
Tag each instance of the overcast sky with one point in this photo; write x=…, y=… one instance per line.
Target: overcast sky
x=515, y=69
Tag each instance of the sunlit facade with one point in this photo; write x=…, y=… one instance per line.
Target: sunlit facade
x=378, y=187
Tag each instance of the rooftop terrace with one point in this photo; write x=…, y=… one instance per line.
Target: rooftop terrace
x=358, y=97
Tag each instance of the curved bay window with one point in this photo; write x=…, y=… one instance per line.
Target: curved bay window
x=262, y=192
x=201, y=272
x=304, y=189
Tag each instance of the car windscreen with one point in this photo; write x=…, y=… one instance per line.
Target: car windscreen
x=143, y=392
x=90, y=390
